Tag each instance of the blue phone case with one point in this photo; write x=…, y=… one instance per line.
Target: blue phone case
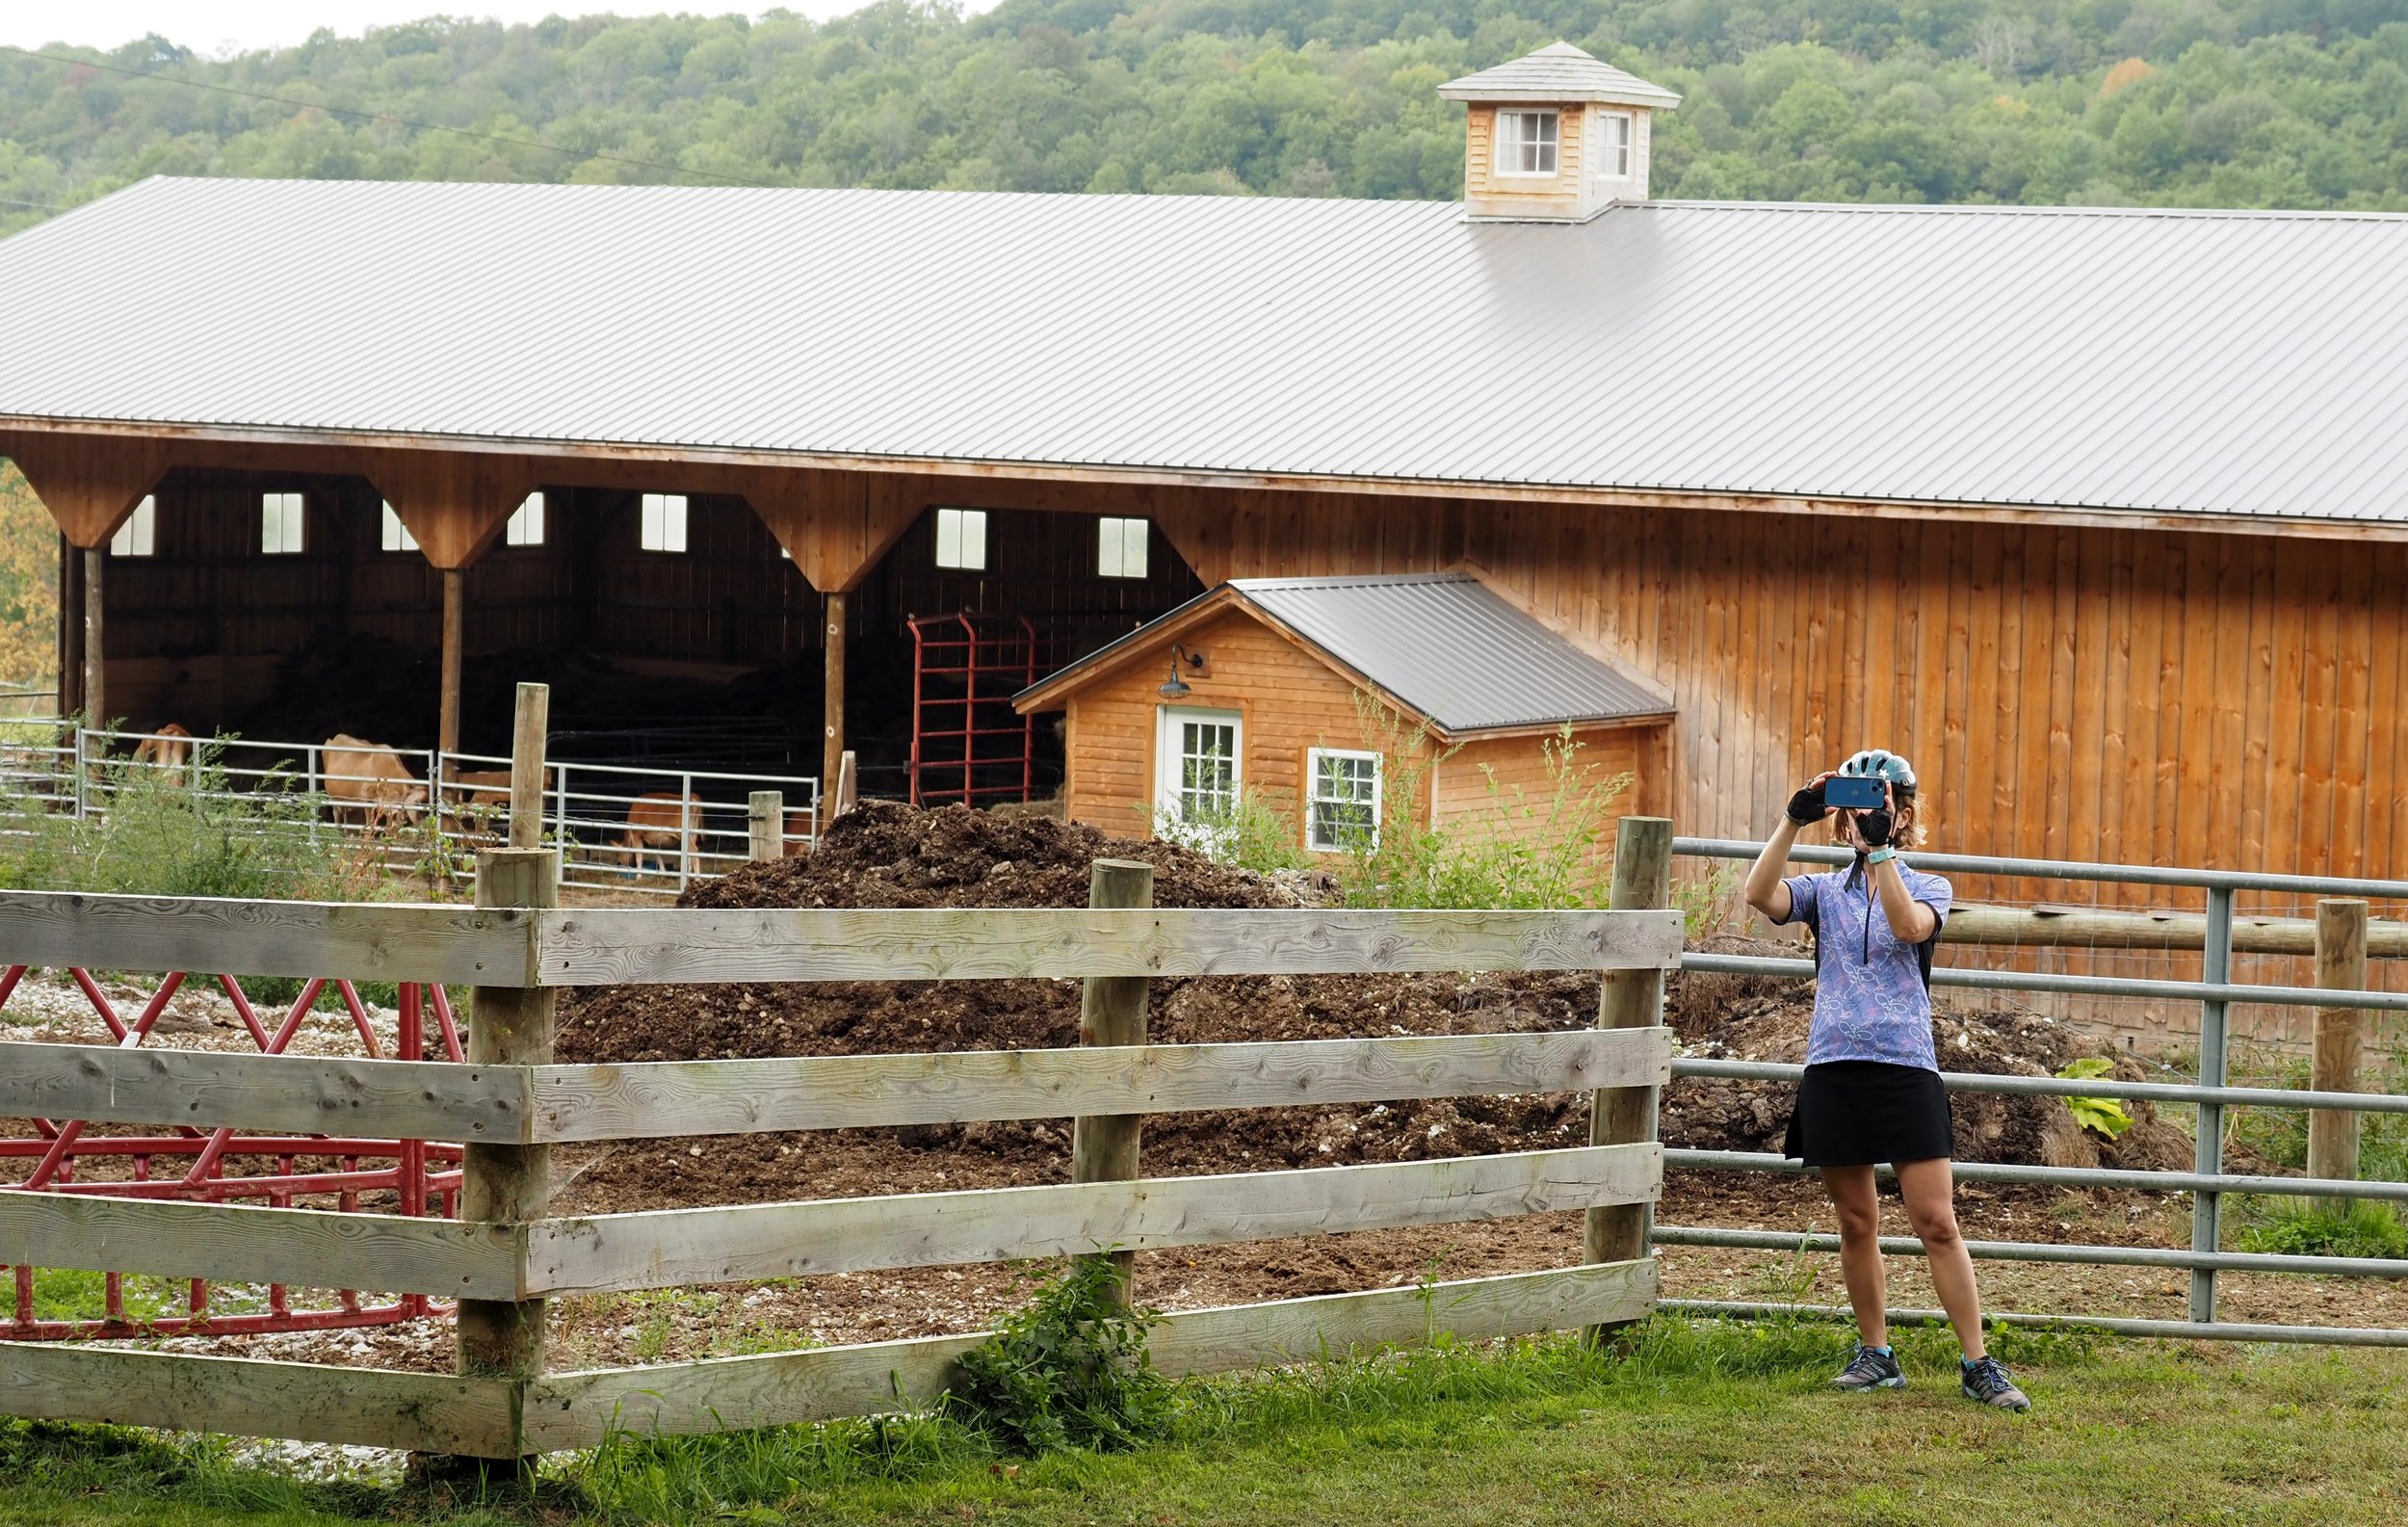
x=1853, y=793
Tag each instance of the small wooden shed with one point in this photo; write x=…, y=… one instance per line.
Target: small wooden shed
x=1293, y=688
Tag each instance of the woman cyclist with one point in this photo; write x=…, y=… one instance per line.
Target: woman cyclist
x=1871, y=1091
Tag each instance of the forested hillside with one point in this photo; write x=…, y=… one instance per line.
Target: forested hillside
x=2298, y=103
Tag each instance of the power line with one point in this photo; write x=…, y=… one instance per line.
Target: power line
x=380, y=116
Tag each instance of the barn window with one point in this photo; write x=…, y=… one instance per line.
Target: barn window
x=1526, y=143
x=664, y=522
x=526, y=523
x=138, y=535
x=279, y=523
x=1345, y=803
x=1614, y=161
x=962, y=538
x=1120, y=548
x=1197, y=775
x=394, y=536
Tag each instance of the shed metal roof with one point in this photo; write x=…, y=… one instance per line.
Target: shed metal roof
x=1449, y=647
x=1444, y=645
x=2227, y=363
x=1557, y=72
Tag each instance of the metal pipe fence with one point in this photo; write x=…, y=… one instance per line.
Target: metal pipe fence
x=2207, y=1183
x=651, y=829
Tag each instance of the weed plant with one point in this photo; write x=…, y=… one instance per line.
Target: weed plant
x=1067, y=1370
x=2305, y=1228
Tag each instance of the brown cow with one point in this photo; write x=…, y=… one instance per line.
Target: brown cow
x=657, y=829
x=169, y=751
x=368, y=781
x=797, y=834
x=477, y=802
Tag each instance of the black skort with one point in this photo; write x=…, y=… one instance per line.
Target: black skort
x=1859, y=1112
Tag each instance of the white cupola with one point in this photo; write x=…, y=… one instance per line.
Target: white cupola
x=1556, y=136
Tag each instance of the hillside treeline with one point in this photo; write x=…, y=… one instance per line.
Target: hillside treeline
x=2292, y=103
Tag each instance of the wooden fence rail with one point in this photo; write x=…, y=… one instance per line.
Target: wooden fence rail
x=555, y=1104
x=519, y=1102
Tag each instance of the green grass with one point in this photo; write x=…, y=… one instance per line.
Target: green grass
x=1711, y=1423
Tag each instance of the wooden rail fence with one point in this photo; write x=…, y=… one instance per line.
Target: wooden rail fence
x=506, y=1102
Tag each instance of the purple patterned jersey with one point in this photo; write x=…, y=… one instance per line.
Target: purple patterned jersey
x=1872, y=990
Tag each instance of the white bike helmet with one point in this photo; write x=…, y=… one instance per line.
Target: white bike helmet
x=1879, y=763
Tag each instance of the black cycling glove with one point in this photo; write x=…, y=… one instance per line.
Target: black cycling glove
x=1806, y=808
x=1874, y=827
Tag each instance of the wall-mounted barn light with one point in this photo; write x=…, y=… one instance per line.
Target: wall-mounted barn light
x=1175, y=687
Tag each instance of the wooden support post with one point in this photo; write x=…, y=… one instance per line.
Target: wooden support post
x=765, y=817
x=507, y=1184
x=455, y=622
x=1630, y=999
x=530, y=726
x=70, y=628
x=1111, y=1011
x=95, y=650
x=2340, y=1035
x=832, y=708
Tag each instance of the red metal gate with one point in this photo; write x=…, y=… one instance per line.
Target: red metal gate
x=338, y=1172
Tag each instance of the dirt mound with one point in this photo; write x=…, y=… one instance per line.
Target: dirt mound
x=888, y=855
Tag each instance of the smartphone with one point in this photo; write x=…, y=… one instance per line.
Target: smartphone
x=1854, y=793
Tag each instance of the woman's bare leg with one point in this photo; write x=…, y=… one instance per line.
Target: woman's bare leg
x=1852, y=1193
x=1929, y=1189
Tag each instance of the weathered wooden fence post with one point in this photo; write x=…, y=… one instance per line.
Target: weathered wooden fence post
x=1629, y=999
x=510, y=1026
x=765, y=819
x=1111, y=1011
x=2340, y=1034
x=848, y=784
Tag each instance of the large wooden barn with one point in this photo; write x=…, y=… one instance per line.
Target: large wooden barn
x=2101, y=516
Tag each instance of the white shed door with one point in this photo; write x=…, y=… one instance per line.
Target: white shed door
x=1196, y=769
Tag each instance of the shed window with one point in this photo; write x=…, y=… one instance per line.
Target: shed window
x=1526, y=143
x=138, y=535
x=1344, y=804
x=1120, y=548
x=394, y=535
x=962, y=538
x=1613, y=159
x=664, y=522
x=279, y=523
x=526, y=523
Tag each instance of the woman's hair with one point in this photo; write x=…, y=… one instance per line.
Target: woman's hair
x=1909, y=833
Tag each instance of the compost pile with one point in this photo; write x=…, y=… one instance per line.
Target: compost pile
x=889, y=854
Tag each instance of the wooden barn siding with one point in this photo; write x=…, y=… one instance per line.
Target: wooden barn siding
x=727, y=600
x=1038, y=564
x=1519, y=769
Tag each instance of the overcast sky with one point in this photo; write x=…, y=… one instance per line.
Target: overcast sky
x=225, y=26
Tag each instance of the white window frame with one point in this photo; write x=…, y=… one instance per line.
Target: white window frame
x=391, y=533
x=1170, y=757
x=663, y=523
x=961, y=540
x=1531, y=136
x=1314, y=799
x=138, y=535
x=282, y=519
x=524, y=526
x=1619, y=145
x=1121, y=546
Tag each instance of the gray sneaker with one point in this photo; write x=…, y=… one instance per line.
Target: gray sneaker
x=1983, y=1380
x=1870, y=1368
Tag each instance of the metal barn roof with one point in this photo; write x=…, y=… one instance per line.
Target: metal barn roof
x=1444, y=644
x=2172, y=363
